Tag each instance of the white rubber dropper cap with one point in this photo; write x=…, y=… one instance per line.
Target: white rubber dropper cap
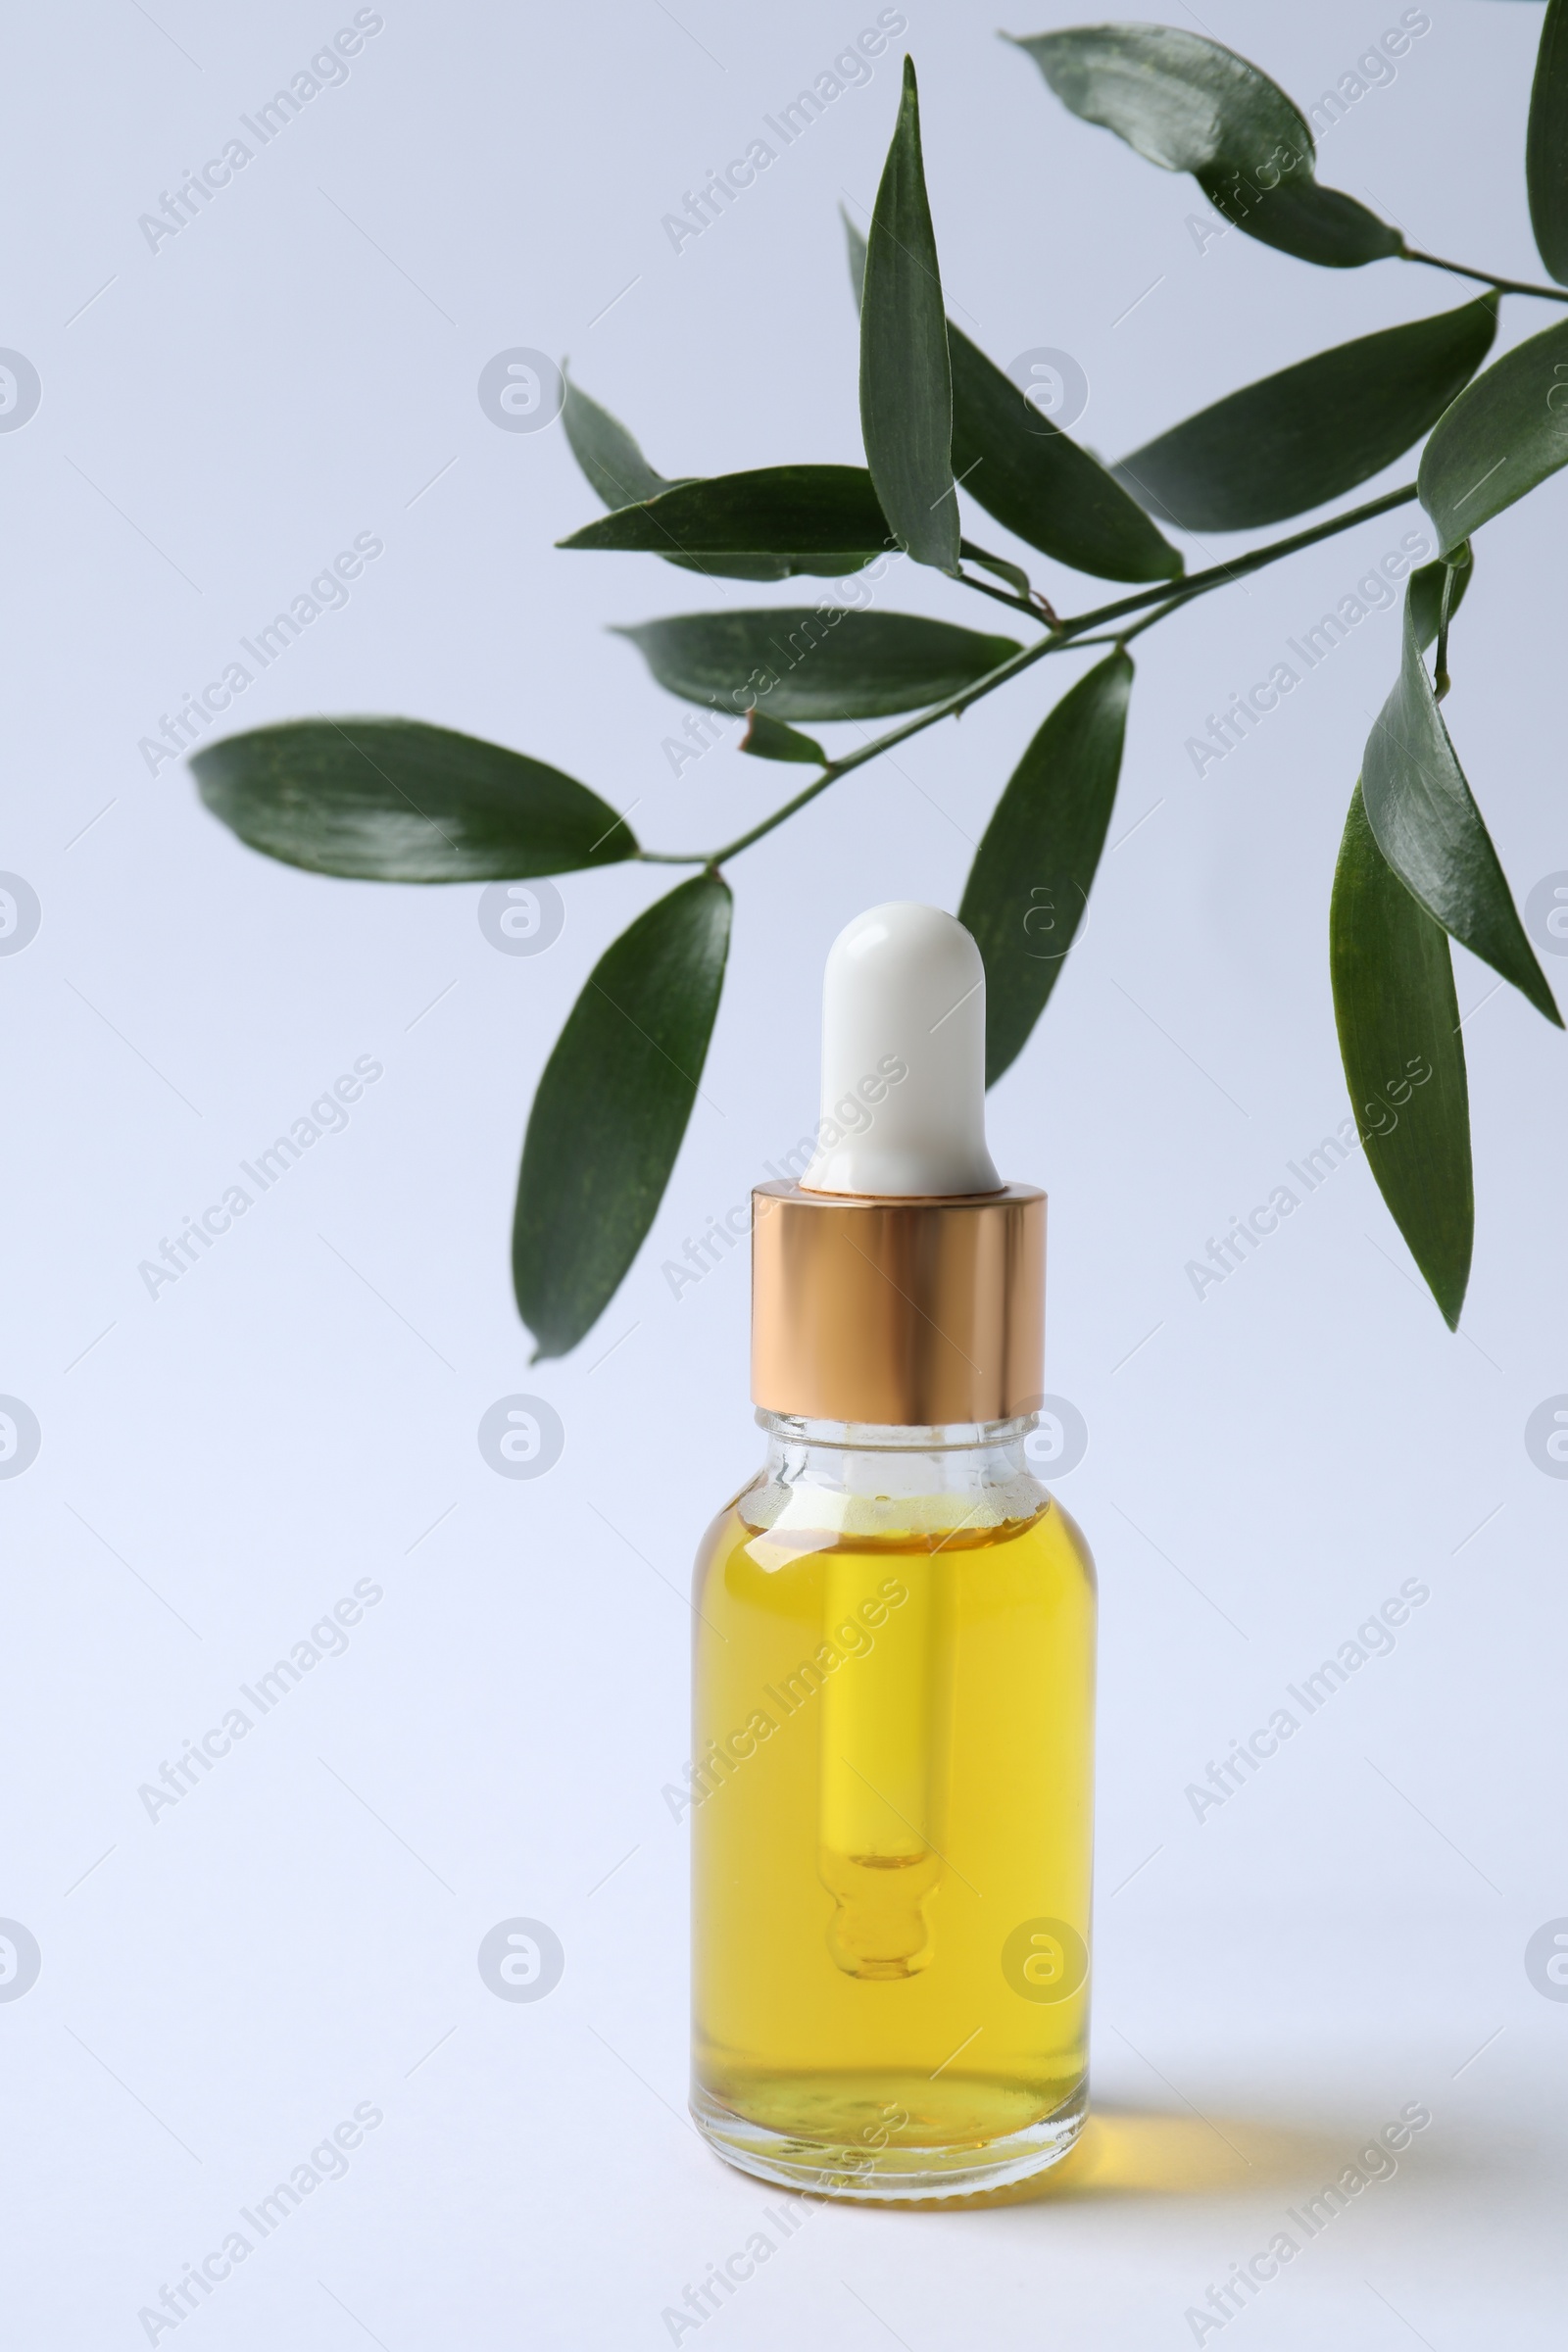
x=903, y=1059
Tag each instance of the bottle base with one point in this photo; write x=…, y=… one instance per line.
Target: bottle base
x=889, y=2174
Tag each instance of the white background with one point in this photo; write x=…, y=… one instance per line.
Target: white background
x=1265, y=1465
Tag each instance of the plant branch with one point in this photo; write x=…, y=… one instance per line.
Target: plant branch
x=1172, y=604
x=1504, y=285
x=1218, y=575
x=1062, y=639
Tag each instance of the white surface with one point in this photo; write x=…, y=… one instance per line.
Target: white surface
x=221, y=1464
x=904, y=1058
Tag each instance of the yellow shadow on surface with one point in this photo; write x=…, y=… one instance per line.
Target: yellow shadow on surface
x=1139, y=2152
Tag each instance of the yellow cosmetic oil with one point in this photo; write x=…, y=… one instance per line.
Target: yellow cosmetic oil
x=892, y=1849
x=893, y=1627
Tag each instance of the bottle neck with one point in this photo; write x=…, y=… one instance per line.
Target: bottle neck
x=863, y=1478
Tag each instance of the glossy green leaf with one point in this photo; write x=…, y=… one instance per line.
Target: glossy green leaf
x=1547, y=143
x=1016, y=578
x=1029, y=885
x=611, y=1108
x=1425, y=593
x=1190, y=105
x=769, y=739
x=1307, y=435
x=607, y=453
x=822, y=661
x=1428, y=827
x=905, y=384
x=1505, y=432
x=391, y=799
x=814, y=518
x=1027, y=473
x=1013, y=462
x=616, y=467
x=1403, y=1055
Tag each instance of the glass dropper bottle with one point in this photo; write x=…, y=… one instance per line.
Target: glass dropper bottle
x=895, y=1623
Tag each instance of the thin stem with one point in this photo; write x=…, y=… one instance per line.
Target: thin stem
x=829, y=775
x=1504, y=285
x=1218, y=575
x=1126, y=636
x=1066, y=636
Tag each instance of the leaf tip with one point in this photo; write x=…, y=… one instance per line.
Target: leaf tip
x=1449, y=1285
x=1536, y=989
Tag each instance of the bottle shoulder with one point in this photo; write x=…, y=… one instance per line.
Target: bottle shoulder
x=1072, y=1536
x=776, y=1522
